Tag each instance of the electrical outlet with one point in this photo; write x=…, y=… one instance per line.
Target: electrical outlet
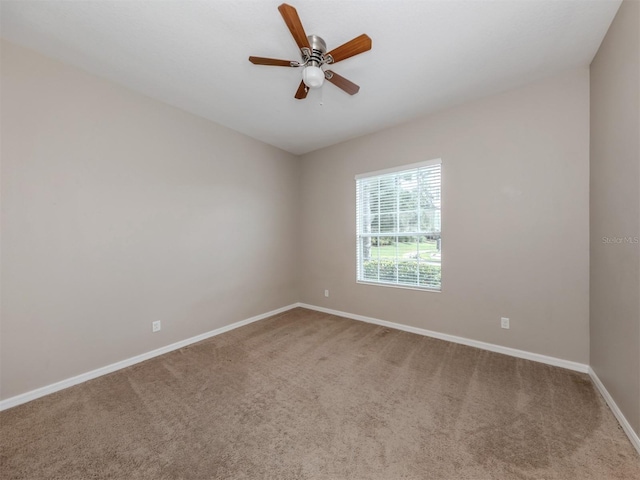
x=326, y=293
x=155, y=326
x=504, y=322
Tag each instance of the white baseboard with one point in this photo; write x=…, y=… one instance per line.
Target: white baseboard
x=626, y=426
x=69, y=382
x=536, y=357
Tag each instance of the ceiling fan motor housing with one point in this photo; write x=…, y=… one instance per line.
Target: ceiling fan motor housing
x=318, y=49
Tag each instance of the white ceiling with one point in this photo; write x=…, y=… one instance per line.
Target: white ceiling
x=426, y=55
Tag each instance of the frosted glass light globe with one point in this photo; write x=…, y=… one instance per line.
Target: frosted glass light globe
x=313, y=77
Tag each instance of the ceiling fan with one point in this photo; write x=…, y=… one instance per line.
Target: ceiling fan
x=314, y=54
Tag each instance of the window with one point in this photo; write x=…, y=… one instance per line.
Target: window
x=398, y=226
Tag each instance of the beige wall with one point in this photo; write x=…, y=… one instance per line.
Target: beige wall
x=515, y=219
x=615, y=211
x=118, y=210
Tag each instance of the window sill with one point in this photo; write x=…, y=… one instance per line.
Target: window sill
x=395, y=285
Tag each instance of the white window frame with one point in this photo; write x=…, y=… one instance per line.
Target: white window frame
x=360, y=235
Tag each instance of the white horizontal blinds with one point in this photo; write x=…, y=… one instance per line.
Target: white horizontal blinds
x=398, y=226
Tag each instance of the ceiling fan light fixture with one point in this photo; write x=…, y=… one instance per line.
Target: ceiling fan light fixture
x=312, y=76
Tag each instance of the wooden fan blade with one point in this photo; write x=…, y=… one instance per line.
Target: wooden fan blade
x=353, y=47
x=301, y=94
x=290, y=16
x=270, y=61
x=341, y=82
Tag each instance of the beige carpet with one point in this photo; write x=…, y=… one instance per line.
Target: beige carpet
x=310, y=395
